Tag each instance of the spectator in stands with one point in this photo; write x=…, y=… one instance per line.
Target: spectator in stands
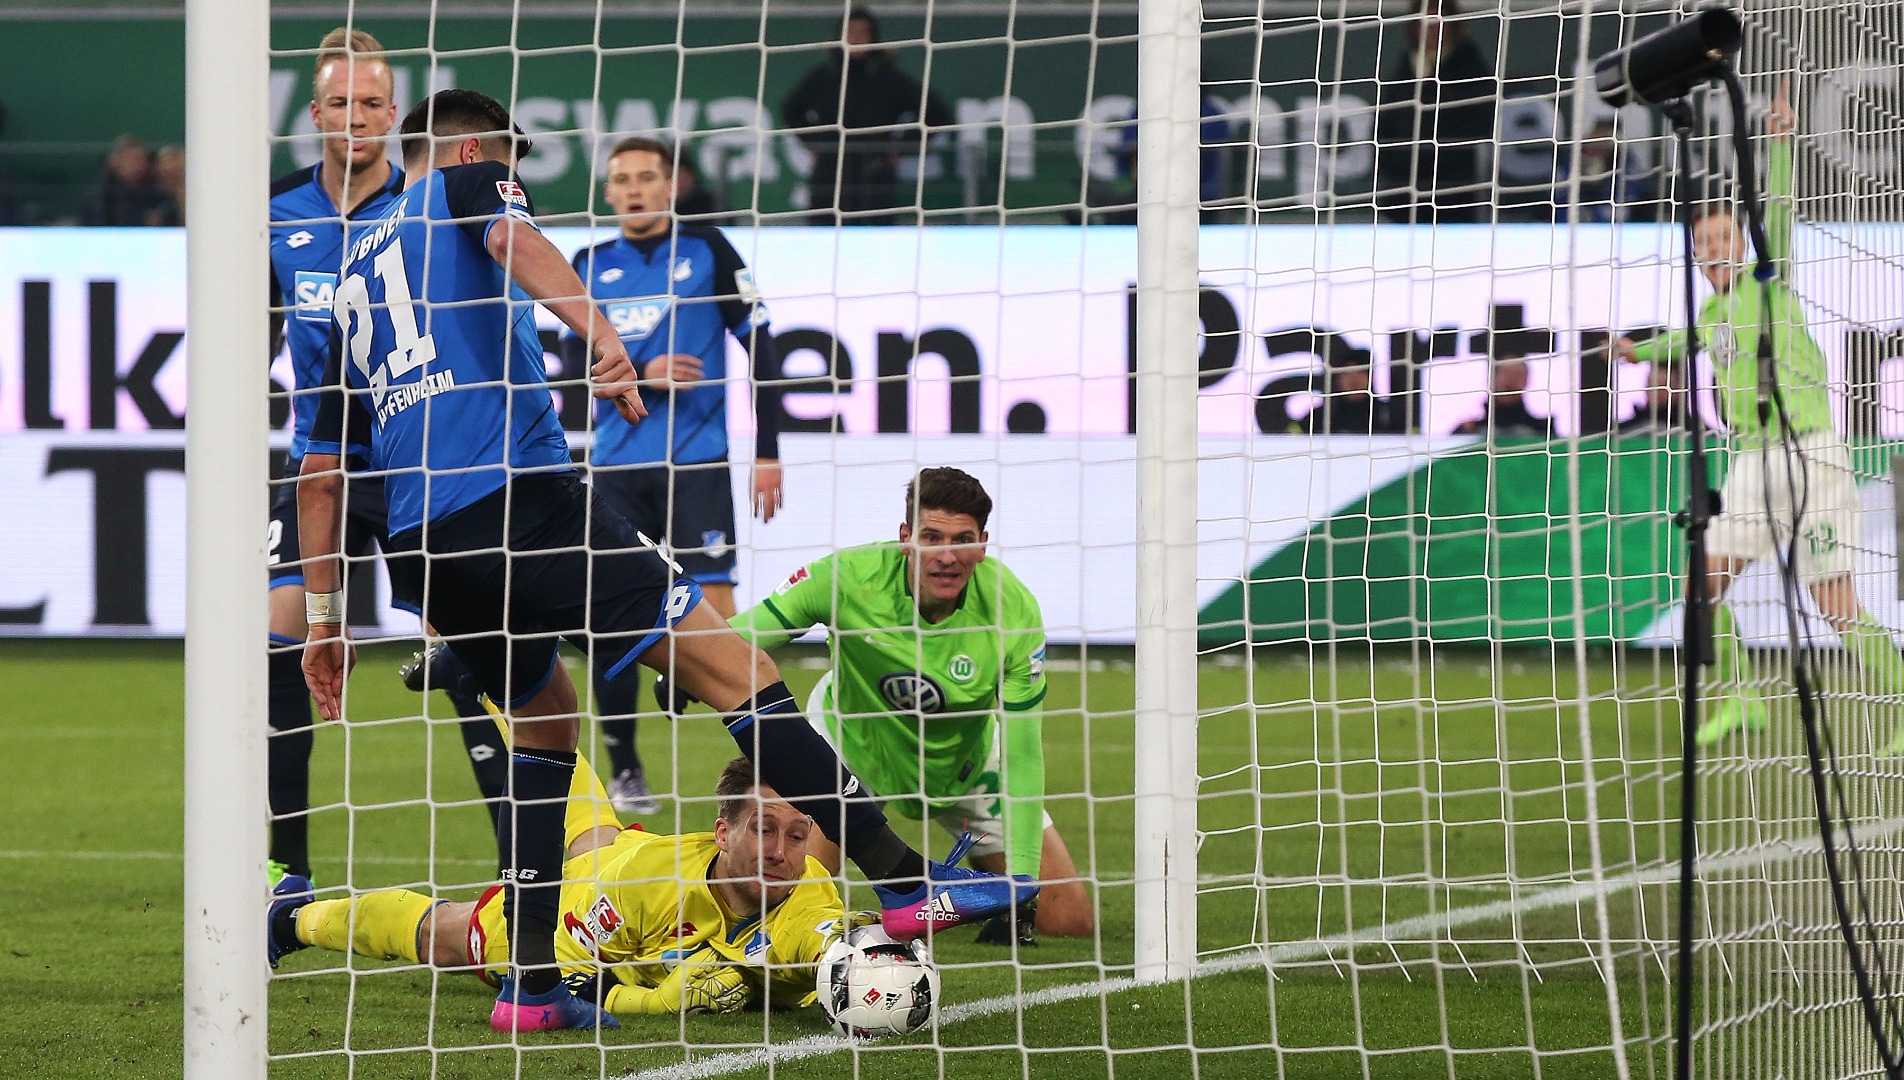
x=1612, y=186
x=9, y=203
x=1664, y=410
x=1505, y=415
x=126, y=194
x=861, y=116
x=168, y=175
x=1434, y=120
x=692, y=199
x=1350, y=407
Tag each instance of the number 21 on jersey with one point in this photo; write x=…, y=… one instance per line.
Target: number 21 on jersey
x=412, y=348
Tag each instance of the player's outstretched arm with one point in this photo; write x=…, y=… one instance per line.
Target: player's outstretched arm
x=547, y=276
x=320, y=525
x=702, y=982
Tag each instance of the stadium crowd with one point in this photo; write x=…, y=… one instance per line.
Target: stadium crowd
x=878, y=134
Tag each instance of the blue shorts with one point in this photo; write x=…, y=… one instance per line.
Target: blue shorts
x=545, y=562
x=365, y=518
x=690, y=507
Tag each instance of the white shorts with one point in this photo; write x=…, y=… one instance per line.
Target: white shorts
x=978, y=811
x=1823, y=482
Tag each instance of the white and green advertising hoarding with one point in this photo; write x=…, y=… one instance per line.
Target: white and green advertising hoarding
x=1008, y=351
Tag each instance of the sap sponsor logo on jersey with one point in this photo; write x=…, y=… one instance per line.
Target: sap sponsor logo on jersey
x=313, y=292
x=912, y=692
x=511, y=193
x=636, y=319
x=793, y=579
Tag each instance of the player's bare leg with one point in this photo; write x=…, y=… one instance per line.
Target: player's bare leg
x=716, y=665
x=1870, y=642
x=1064, y=906
x=1734, y=703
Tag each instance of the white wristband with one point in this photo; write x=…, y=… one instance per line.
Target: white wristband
x=324, y=608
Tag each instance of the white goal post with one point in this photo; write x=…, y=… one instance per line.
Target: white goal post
x=227, y=57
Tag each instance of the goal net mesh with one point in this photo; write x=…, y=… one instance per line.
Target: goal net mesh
x=1440, y=586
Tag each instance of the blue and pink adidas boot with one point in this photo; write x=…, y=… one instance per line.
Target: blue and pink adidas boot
x=951, y=895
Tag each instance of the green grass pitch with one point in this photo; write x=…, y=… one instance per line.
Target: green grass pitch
x=1362, y=791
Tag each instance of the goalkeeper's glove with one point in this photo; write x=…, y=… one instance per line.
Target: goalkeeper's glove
x=703, y=982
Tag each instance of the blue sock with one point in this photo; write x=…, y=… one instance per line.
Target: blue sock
x=288, y=758
x=530, y=842
x=790, y=757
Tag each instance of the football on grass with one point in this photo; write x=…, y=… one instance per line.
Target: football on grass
x=871, y=985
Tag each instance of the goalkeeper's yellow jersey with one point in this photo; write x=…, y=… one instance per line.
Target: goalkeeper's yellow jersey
x=641, y=904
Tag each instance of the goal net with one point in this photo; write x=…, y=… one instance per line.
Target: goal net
x=1433, y=809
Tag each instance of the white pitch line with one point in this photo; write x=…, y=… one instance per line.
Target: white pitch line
x=1407, y=930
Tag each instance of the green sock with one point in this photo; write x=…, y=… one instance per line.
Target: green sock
x=1728, y=652
x=1878, y=656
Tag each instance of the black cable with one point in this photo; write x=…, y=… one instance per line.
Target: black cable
x=1820, y=749
x=1701, y=504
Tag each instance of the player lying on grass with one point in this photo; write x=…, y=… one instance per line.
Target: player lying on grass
x=1824, y=487
x=936, y=689
x=701, y=922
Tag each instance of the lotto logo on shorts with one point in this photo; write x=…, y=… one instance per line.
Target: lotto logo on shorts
x=511, y=193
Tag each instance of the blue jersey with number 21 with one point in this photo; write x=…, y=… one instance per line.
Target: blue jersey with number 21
x=439, y=351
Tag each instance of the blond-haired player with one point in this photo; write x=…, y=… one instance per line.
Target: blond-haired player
x=700, y=922
x=313, y=210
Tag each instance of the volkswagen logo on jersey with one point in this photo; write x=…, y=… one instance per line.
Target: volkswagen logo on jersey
x=636, y=319
x=912, y=692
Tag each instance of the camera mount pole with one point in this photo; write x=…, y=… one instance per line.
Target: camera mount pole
x=1702, y=502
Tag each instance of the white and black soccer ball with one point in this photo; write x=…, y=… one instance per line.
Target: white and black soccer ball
x=871, y=986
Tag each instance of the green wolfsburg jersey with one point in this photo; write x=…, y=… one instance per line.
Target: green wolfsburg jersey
x=1729, y=329
x=914, y=706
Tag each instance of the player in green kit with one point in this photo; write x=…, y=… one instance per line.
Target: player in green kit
x=935, y=697
x=1826, y=489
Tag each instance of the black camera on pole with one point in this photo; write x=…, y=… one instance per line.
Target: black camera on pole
x=1666, y=64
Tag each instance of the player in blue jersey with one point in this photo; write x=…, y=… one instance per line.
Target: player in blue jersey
x=675, y=293
x=312, y=211
x=437, y=378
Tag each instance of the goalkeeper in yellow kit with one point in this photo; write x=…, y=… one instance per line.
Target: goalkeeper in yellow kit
x=1824, y=498
x=701, y=922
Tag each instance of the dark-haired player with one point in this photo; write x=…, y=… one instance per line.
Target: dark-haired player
x=935, y=697
x=675, y=294
x=443, y=388
x=313, y=211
